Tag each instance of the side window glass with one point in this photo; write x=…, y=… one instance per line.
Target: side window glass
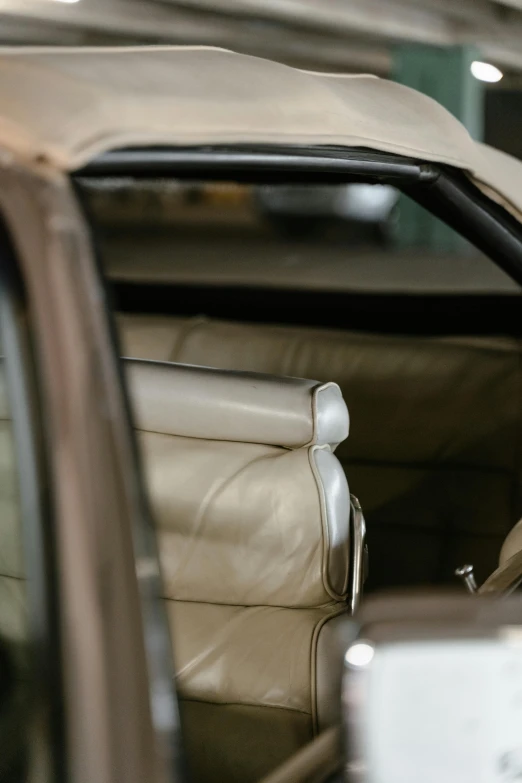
x=14, y=631
x=29, y=701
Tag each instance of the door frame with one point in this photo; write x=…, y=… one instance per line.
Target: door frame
x=120, y=711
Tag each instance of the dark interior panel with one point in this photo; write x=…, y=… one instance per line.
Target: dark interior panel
x=429, y=314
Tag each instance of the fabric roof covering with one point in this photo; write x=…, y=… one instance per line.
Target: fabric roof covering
x=67, y=106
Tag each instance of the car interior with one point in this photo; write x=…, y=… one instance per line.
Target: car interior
x=252, y=513
x=314, y=388
x=245, y=347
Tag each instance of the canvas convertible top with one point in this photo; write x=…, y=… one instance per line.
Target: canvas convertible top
x=66, y=106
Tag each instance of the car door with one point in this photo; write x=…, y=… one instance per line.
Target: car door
x=90, y=618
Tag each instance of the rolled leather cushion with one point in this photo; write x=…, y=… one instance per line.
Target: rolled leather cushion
x=252, y=510
x=436, y=422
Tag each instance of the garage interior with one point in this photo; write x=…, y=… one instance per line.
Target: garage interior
x=224, y=252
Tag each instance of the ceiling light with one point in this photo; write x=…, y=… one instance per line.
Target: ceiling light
x=486, y=72
x=67, y=1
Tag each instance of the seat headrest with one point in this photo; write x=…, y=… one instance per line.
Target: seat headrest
x=251, y=506
x=204, y=402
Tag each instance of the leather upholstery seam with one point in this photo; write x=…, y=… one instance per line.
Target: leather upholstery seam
x=284, y=449
x=313, y=665
x=245, y=704
x=318, y=608
x=325, y=559
x=316, y=390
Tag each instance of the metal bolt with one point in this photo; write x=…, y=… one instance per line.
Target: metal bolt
x=465, y=573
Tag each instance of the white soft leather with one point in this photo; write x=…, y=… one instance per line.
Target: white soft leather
x=238, y=406
x=252, y=511
x=218, y=641
x=433, y=453
x=276, y=516
x=384, y=378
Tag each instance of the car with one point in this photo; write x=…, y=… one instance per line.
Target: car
x=184, y=532
x=300, y=210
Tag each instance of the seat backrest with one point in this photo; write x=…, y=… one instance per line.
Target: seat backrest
x=253, y=514
x=434, y=451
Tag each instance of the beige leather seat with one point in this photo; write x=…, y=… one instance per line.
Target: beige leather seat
x=253, y=515
x=508, y=576
x=512, y=545
x=434, y=452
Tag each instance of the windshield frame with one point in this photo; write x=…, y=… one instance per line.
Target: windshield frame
x=444, y=191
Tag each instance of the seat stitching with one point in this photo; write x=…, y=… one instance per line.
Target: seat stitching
x=245, y=704
x=313, y=664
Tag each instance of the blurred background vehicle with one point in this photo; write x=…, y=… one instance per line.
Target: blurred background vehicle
x=302, y=210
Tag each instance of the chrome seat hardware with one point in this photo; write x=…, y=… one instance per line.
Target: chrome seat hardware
x=359, y=569
x=465, y=573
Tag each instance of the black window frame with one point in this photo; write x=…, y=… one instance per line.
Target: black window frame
x=444, y=191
